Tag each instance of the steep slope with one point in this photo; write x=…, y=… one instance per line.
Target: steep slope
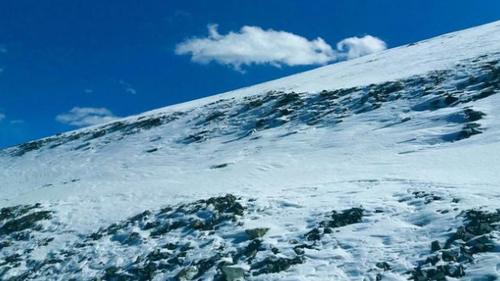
x=380, y=168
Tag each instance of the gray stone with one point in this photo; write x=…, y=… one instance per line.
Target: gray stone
x=234, y=272
x=256, y=232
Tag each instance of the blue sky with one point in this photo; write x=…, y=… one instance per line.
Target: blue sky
x=61, y=60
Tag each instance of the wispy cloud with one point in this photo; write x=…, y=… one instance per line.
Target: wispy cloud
x=254, y=45
x=17, y=121
x=354, y=47
x=3, y=51
x=127, y=87
x=2, y=116
x=86, y=116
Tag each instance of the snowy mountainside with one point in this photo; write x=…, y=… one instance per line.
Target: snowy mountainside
x=380, y=168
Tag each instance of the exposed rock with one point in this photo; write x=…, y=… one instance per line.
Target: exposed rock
x=428, y=197
x=250, y=250
x=187, y=273
x=470, y=239
x=24, y=222
x=435, y=246
x=274, y=265
x=256, y=232
x=151, y=150
x=383, y=265
x=346, y=217
x=313, y=235
x=234, y=272
x=219, y=166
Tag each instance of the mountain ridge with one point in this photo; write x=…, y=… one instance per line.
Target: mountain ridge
x=492, y=29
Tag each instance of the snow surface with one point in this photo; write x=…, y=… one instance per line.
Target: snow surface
x=296, y=171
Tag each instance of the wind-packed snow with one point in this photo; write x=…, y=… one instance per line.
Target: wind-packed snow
x=410, y=136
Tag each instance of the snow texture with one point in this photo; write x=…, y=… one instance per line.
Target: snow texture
x=384, y=167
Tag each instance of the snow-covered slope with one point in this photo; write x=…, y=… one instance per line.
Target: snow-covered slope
x=381, y=168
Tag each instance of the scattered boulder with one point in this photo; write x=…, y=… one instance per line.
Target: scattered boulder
x=428, y=197
x=234, y=272
x=256, y=232
x=29, y=221
x=346, y=217
x=250, y=250
x=313, y=235
x=472, y=238
x=435, y=246
x=187, y=273
x=219, y=166
x=274, y=265
x=383, y=265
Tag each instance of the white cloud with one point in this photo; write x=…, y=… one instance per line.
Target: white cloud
x=2, y=116
x=354, y=47
x=254, y=45
x=86, y=116
x=131, y=91
x=17, y=121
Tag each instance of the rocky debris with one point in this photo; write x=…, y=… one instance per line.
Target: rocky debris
x=472, y=238
x=468, y=117
x=442, y=99
x=335, y=220
x=256, y=232
x=212, y=117
x=468, y=130
x=346, y=217
x=248, y=252
x=22, y=231
x=182, y=242
x=29, y=146
x=314, y=234
x=19, y=218
x=383, y=265
x=439, y=273
x=274, y=264
x=471, y=115
x=84, y=146
x=205, y=216
x=28, y=221
x=434, y=91
x=421, y=197
x=121, y=127
x=228, y=204
x=475, y=232
x=145, y=228
x=428, y=197
x=187, y=273
x=151, y=150
x=435, y=246
x=234, y=272
x=219, y=166
x=197, y=137
x=207, y=240
x=200, y=215
x=13, y=212
x=431, y=92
